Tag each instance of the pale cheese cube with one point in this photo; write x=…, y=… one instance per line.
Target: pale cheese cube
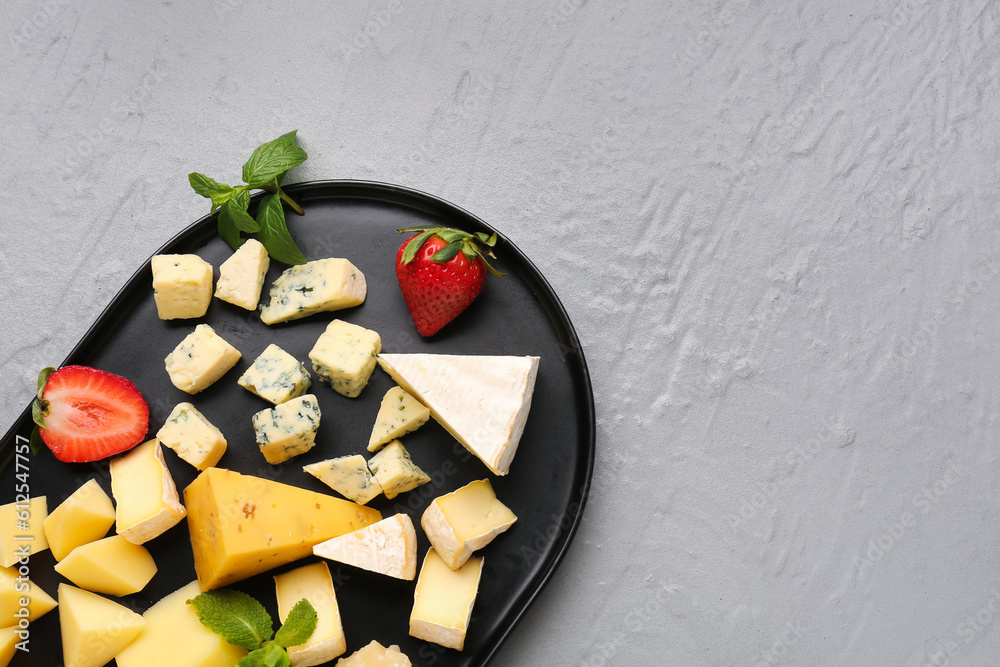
x=465, y=520
x=94, y=629
x=398, y=415
x=146, y=501
x=314, y=287
x=182, y=286
x=200, y=359
x=83, y=517
x=288, y=429
x=21, y=529
x=395, y=471
x=192, y=437
x=345, y=356
x=276, y=376
x=347, y=475
x=241, y=277
x=313, y=583
x=388, y=547
x=443, y=600
x=113, y=566
x=375, y=655
x=13, y=590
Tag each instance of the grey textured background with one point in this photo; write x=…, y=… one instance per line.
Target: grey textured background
x=774, y=225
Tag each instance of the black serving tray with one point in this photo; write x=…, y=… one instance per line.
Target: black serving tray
x=516, y=315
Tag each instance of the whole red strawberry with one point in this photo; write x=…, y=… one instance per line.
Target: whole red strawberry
x=86, y=414
x=441, y=271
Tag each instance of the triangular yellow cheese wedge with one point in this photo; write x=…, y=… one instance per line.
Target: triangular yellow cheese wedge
x=94, y=629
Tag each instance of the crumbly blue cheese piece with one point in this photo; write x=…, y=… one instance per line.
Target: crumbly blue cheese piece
x=241, y=277
x=345, y=356
x=276, y=376
x=192, y=437
x=395, y=471
x=182, y=286
x=347, y=475
x=200, y=359
x=288, y=429
x=314, y=287
x=398, y=415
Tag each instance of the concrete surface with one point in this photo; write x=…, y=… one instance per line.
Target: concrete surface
x=774, y=225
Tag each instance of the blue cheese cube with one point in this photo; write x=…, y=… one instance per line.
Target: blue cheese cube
x=345, y=356
x=241, y=277
x=288, y=429
x=347, y=475
x=200, y=359
x=276, y=376
x=394, y=471
x=192, y=437
x=182, y=286
x=398, y=415
x=314, y=287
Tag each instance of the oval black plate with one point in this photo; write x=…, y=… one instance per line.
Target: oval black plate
x=516, y=315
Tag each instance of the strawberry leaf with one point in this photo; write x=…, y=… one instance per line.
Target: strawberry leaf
x=38, y=414
x=36, y=443
x=43, y=378
x=415, y=244
x=447, y=252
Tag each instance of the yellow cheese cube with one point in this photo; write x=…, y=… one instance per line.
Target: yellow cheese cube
x=15, y=589
x=94, y=629
x=347, y=475
x=242, y=525
x=83, y=517
x=398, y=415
x=182, y=286
x=8, y=645
x=21, y=529
x=113, y=565
x=288, y=429
x=345, y=356
x=388, y=547
x=395, y=472
x=241, y=277
x=146, y=498
x=192, y=437
x=443, y=599
x=200, y=359
x=174, y=637
x=465, y=520
x=375, y=655
x=314, y=287
x=312, y=583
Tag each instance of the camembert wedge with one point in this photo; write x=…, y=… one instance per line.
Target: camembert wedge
x=443, y=600
x=146, y=498
x=314, y=583
x=375, y=655
x=388, y=547
x=465, y=520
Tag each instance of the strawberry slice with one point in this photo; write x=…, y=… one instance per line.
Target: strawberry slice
x=86, y=414
x=441, y=271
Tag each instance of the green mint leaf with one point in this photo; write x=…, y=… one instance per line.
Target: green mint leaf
x=415, y=244
x=274, y=233
x=252, y=659
x=36, y=441
x=43, y=377
x=235, y=616
x=269, y=655
x=219, y=193
x=235, y=210
x=298, y=626
x=228, y=232
x=447, y=252
x=271, y=160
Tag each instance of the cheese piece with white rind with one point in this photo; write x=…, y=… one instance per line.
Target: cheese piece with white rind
x=146, y=501
x=313, y=583
x=192, y=437
x=39, y=602
x=318, y=286
x=182, y=286
x=276, y=376
x=347, y=475
x=344, y=356
x=241, y=277
x=374, y=654
x=481, y=400
x=22, y=531
x=443, y=600
x=94, y=629
x=200, y=359
x=395, y=471
x=241, y=525
x=288, y=429
x=464, y=521
x=388, y=547
x=174, y=636
x=113, y=566
x=398, y=415
x=85, y=516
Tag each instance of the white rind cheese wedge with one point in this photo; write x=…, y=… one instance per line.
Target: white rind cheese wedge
x=314, y=287
x=241, y=277
x=94, y=629
x=200, y=359
x=388, y=547
x=443, y=600
x=313, y=583
x=146, y=501
x=481, y=400
x=464, y=521
x=398, y=415
x=375, y=655
x=347, y=475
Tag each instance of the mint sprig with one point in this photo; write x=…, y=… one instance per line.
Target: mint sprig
x=265, y=170
x=242, y=621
